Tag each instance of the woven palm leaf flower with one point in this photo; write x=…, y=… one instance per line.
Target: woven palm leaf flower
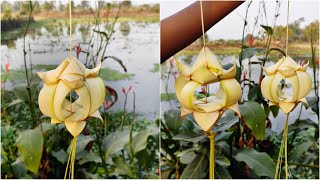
x=71, y=75
x=206, y=70
x=286, y=69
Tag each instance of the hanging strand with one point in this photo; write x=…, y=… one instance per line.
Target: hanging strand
x=287, y=27
x=202, y=24
x=70, y=24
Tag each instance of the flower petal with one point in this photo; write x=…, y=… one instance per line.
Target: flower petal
x=232, y=90
x=273, y=69
x=203, y=76
x=59, y=99
x=287, y=107
x=96, y=114
x=178, y=86
x=46, y=100
x=206, y=59
x=230, y=73
x=184, y=111
x=97, y=92
x=93, y=72
x=84, y=101
x=50, y=77
x=55, y=121
x=235, y=107
x=184, y=70
x=75, y=128
x=187, y=94
x=206, y=120
x=74, y=67
x=289, y=62
x=305, y=84
x=266, y=87
x=287, y=71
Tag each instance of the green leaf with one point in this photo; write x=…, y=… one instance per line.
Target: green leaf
x=173, y=120
x=14, y=102
x=60, y=155
x=254, y=117
x=250, y=52
x=268, y=29
x=21, y=92
x=255, y=93
x=82, y=142
x=187, y=157
x=302, y=124
x=223, y=161
x=189, y=137
x=139, y=141
x=165, y=174
x=221, y=172
x=115, y=142
x=260, y=163
x=91, y=157
x=197, y=169
x=298, y=150
x=226, y=122
x=19, y=169
x=122, y=168
x=30, y=145
x=274, y=110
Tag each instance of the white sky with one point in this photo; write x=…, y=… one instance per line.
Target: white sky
x=231, y=26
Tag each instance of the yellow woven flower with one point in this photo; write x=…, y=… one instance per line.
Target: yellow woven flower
x=71, y=75
x=288, y=70
x=206, y=70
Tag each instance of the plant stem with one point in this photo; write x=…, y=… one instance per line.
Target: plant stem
x=303, y=165
x=211, y=170
x=103, y=161
x=131, y=152
x=31, y=106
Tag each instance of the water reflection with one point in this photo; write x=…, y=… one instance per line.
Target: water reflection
x=138, y=48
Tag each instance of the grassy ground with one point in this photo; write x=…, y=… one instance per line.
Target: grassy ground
x=232, y=48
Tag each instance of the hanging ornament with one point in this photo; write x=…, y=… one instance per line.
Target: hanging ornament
x=71, y=76
x=207, y=111
x=274, y=88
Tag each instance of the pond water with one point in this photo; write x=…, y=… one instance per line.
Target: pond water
x=135, y=43
x=277, y=123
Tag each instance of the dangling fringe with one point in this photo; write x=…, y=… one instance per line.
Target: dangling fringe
x=71, y=159
x=211, y=170
x=284, y=147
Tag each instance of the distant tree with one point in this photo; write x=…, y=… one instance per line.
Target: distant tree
x=62, y=7
x=311, y=31
x=84, y=4
x=48, y=6
x=126, y=3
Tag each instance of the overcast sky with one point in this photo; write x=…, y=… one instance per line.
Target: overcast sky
x=231, y=26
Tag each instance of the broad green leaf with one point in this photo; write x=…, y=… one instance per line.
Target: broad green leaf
x=222, y=136
x=221, y=172
x=260, y=162
x=250, y=52
x=254, y=117
x=302, y=124
x=298, y=150
x=274, y=110
x=14, y=102
x=46, y=126
x=268, y=29
x=139, y=141
x=91, y=157
x=187, y=157
x=222, y=160
x=197, y=169
x=173, y=120
x=115, y=142
x=60, y=155
x=30, y=145
x=21, y=92
x=255, y=93
x=189, y=137
x=226, y=122
x=19, y=169
x=90, y=175
x=122, y=168
x=82, y=142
